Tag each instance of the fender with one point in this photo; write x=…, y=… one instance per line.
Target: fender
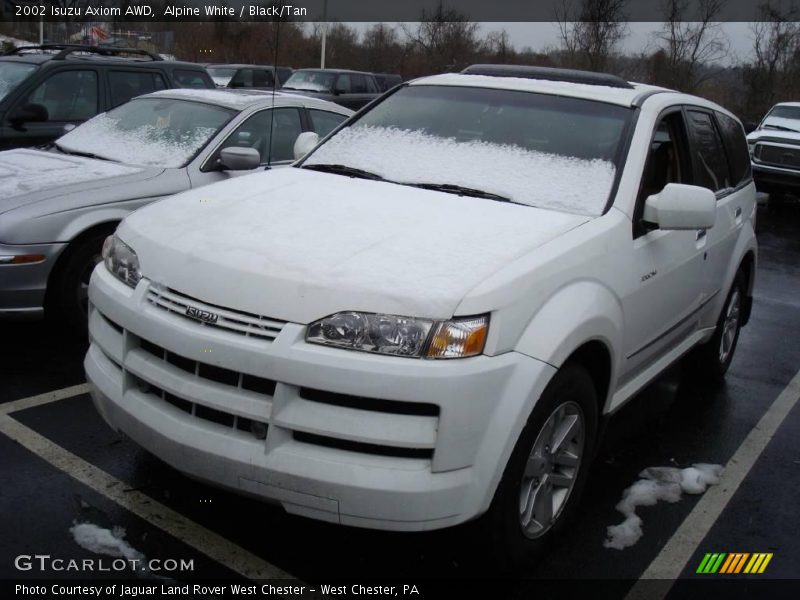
x=578, y=313
x=84, y=219
x=745, y=242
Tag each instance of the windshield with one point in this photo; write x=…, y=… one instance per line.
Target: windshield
x=12, y=74
x=785, y=112
x=148, y=131
x=221, y=72
x=314, y=81
x=535, y=149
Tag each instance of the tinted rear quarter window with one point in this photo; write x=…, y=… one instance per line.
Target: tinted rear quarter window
x=736, y=147
x=128, y=84
x=711, y=166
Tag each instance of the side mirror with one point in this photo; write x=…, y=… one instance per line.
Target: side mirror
x=29, y=113
x=750, y=126
x=239, y=159
x=305, y=143
x=679, y=206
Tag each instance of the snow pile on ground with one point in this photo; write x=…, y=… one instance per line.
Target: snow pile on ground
x=104, y=541
x=24, y=171
x=146, y=145
x=657, y=483
x=526, y=176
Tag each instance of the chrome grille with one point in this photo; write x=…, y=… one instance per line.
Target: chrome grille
x=780, y=156
x=239, y=322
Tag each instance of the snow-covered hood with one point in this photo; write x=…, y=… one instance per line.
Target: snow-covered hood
x=298, y=245
x=30, y=176
x=762, y=132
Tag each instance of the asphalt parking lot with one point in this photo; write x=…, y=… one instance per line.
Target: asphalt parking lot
x=62, y=465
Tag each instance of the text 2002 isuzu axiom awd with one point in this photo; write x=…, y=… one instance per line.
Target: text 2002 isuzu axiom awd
x=425, y=319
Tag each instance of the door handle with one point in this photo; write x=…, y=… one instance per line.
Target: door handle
x=738, y=212
x=701, y=233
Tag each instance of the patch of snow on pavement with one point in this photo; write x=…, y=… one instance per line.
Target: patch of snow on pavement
x=104, y=541
x=657, y=483
x=541, y=179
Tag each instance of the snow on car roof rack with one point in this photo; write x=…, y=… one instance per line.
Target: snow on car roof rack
x=549, y=74
x=65, y=50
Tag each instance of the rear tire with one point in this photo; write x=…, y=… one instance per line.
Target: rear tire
x=546, y=473
x=711, y=360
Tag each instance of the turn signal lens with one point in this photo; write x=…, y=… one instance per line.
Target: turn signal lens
x=459, y=338
x=22, y=259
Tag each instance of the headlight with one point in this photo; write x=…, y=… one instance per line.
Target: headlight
x=401, y=336
x=121, y=260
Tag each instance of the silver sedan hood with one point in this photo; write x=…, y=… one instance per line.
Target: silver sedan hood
x=33, y=176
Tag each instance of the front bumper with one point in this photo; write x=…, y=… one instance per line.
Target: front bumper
x=23, y=287
x=768, y=178
x=352, y=438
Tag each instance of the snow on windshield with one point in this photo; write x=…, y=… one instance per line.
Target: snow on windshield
x=525, y=176
x=159, y=132
x=24, y=171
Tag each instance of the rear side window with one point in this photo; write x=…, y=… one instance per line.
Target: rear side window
x=711, y=165
x=736, y=147
x=262, y=78
x=358, y=84
x=128, y=84
x=343, y=84
x=192, y=79
x=372, y=86
x=325, y=121
x=242, y=79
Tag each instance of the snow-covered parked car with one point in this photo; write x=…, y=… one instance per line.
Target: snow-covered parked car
x=428, y=318
x=775, y=150
x=58, y=205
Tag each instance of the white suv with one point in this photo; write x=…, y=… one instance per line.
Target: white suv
x=428, y=317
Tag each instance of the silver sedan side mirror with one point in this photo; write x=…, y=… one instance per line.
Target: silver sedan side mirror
x=239, y=159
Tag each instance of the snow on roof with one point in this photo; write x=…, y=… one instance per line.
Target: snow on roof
x=243, y=99
x=613, y=95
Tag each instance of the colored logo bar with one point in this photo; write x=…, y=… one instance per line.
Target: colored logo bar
x=734, y=562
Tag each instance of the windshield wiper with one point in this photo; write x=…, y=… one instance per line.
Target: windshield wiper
x=460, y=190
x=61, y=148
x=344, y=170
x=780, y=127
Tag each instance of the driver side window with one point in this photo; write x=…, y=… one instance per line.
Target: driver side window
x=667, y=162
x=67, y=96
x=285, y=126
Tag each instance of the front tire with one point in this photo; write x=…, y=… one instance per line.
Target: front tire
x=544, y=477
x=69, y=300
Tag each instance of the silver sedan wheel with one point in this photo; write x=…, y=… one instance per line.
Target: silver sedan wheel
x=730, y=326
x=551, y=470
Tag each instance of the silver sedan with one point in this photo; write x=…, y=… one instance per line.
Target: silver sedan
x=57, y=205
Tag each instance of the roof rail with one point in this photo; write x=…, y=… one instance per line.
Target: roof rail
x=549, y=74
x=65, y=50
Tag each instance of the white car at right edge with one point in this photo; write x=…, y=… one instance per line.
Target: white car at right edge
x=425, y=320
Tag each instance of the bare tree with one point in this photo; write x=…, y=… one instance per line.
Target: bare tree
x=590, y=32
x=689, y=44
x=446, y=38
x=773, y=75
